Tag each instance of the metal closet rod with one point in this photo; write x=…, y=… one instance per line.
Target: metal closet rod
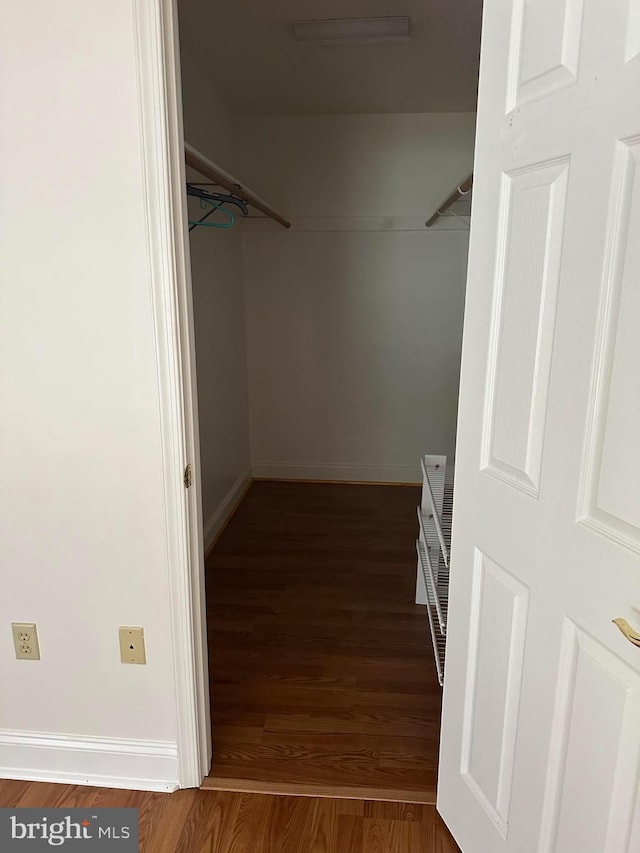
x=461, y=190
x=221, y=178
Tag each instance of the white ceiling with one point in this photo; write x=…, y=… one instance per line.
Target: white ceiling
x=246, y=47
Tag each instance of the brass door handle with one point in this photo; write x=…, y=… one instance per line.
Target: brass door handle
x=628, y=631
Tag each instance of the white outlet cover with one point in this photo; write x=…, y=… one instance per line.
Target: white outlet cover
x=25, y=640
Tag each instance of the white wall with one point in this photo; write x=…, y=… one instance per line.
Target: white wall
x=207, y=124
x=354, y=350
x=354, y=317
x=355, y=165
x=216, y=271
x=82, y=517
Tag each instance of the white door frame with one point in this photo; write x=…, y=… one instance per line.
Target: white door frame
x=162, y=150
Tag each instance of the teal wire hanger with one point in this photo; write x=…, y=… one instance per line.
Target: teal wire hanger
x=217, y=201
x=193, y=223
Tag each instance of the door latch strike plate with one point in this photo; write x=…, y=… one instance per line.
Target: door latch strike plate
x=187, y=476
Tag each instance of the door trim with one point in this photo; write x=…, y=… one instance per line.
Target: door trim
x=162, y=151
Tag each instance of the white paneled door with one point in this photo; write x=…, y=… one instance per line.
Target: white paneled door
x=541, y=724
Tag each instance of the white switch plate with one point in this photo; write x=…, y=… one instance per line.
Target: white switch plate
x=25, y=640
x=132, y=645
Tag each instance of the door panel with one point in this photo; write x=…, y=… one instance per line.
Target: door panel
x=612, y=481
x=531, y=218
x=539, y=747
x=545, y=47
x=589, y=797
x=632, y=41
x=499, y=616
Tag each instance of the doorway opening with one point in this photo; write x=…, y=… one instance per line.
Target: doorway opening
x=327, y=321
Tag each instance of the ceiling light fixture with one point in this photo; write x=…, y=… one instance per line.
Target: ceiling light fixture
x=349, y=30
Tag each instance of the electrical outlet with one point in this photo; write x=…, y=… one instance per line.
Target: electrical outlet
x=25, y=640
x=132, y=645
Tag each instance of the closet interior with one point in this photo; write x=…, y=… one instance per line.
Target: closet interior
x=329, y=149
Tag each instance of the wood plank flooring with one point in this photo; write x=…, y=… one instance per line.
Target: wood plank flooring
x=321, y=664
x=214, y=822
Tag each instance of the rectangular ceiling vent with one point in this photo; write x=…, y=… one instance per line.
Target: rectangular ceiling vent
x=350, y=30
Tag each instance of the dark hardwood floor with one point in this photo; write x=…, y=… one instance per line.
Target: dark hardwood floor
x=321, y=664
x=194, y=821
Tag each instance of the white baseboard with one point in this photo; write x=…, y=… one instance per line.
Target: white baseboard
x=340, y=473
x=218, y=518
x=104, y=762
